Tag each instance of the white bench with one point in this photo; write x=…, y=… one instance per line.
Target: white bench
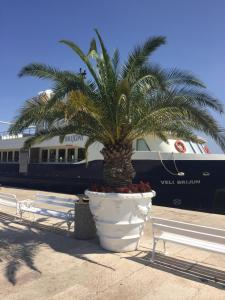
x=206, y=238
x=9, y=200
x=33, y=206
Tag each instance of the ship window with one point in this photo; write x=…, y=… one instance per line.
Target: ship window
x=16, y=156
x=4, y=156
x=71, y=155
x=193, y=149
x=195, y=146
x=81, y=154
x=52, y=155
x=200, y=148
x=44, y=155
x=34, y=155
x=62, y=155
x=141, y=145
x=10, y=156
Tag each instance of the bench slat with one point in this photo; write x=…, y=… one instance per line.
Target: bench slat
x=8, y=203
x=9, y=197
x=193, y=242
x=56, y=203
x=188, y=226
x=189, y=233
x=42, y=197
x=46, y=212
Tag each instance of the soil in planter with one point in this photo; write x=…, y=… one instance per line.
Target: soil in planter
x=141, y=187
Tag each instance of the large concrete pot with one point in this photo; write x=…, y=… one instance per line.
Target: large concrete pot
x=120, y=218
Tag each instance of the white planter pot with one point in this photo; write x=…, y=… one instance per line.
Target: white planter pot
x=120, y=218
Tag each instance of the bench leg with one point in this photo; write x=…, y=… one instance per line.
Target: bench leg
x=20, y=213
x=153, y=250
x=17, y=209
x=18, y=216
x=69, y=223
x=34, y=217
x=164, y=246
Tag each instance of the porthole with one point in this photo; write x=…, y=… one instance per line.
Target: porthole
x=177, y=202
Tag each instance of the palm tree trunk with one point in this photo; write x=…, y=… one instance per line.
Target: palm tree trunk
x=118, y=170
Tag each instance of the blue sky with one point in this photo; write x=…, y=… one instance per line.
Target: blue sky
x=30, y=31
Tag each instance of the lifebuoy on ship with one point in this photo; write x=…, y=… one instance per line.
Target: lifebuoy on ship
x=206, y=149
x=180, y=147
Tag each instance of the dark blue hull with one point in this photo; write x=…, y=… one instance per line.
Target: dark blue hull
x=196, y=190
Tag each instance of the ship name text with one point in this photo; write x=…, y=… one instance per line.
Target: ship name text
x=73, y=138
x=190, y=181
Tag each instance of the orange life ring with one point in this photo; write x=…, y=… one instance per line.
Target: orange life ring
x=206, y=149
x=180, y=147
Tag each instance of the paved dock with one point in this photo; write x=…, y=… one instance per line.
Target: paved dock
x=39, y=263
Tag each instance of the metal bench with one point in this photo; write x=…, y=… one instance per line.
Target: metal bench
x=9, y=200
x=34, y=206
x=206, y=238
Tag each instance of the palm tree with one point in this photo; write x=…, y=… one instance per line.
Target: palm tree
x=119, y=103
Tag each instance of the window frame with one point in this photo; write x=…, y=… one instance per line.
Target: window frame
x=146, y=144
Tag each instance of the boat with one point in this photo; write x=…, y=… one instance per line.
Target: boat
x=183, y=174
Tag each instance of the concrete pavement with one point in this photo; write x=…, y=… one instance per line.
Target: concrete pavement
x=40, y=264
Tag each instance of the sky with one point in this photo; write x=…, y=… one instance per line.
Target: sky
x=30, y=31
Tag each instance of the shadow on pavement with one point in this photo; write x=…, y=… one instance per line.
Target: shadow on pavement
x=20, y=242
x=182, y=268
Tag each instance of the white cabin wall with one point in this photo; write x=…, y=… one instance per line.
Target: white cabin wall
x=15, y=143
x=94, y=152
x=156, y=144
x=72, y=140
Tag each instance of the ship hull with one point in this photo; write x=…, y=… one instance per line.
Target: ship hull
x=196, y=190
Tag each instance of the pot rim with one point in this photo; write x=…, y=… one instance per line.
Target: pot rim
x=120, y=195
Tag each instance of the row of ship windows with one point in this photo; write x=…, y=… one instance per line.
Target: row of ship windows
x=9, y=156
x=46, y=155
x=62, y=155
x=77, y=154
x=58, y=155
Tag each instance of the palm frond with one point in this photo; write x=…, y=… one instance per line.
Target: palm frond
x=89, y=142
x=180, y=77
x=198, y=97
x=141, y=54
x=93, y=49
x=116, y=60
x=43, y=71
x=83, y=57
x=31, y=113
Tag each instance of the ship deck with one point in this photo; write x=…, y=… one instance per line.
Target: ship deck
x=41, y=262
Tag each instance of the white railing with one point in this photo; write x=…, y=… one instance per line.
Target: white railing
x=5, y=135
